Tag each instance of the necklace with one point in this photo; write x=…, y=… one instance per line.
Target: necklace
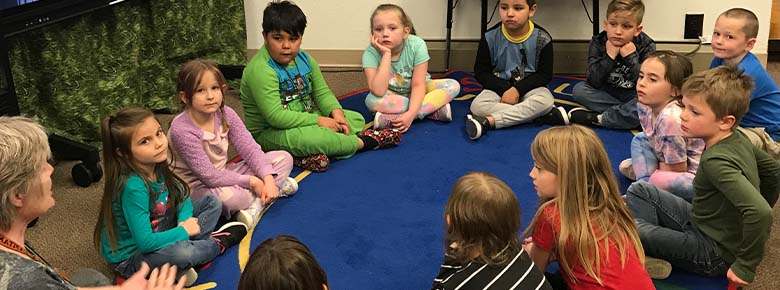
x=27, y=251
x=8, y=243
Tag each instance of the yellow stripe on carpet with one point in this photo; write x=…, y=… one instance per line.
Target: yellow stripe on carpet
x=243, y=247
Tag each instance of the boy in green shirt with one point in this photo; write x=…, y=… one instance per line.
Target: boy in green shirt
x=725, y=228
x=287, y=104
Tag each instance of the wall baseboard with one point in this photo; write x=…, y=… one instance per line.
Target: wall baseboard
x=571, y=57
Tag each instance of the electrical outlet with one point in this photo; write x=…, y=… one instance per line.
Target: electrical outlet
x=694, y=25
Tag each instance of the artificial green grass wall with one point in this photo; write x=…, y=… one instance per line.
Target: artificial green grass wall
x=73, y=73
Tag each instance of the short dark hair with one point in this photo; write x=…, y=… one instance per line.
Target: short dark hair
x=284, y=16
x=282, y=262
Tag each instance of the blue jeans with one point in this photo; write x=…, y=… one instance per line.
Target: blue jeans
x=645, y=162
x=198, y=250
x=617, y=106
x=667, y=231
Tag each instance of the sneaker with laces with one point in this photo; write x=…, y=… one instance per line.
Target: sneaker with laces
x=385, y=137
x=382, y=120
x=229, y=235
x=288, y=188
x=657, y=268
x=249, y=215
x=443, y=114
x=626, y=167
x=584, y=116
x=557, y=116
x=476, y=126
x=190, y=276
x=316, y=163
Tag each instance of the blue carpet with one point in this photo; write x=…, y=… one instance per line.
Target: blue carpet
x=375, y=221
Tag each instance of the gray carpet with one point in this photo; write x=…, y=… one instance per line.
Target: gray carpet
x=64, y=235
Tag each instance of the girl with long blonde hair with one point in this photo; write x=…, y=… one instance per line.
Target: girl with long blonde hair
x=583, y=221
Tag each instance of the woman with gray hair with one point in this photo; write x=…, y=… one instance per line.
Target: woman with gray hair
x=25, y=195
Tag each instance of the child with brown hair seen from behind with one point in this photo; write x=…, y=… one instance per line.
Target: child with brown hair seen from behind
x=282, y=263
x=514, y=64
x=583, y=222
x=483, y=248
x=725, y=228
x=614, y=58
x=732, y=39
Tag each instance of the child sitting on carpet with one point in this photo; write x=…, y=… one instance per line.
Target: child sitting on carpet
x=287, y=104
x=661, y=154
x=583, y=222
x=482, y=239
x=726, y=227
x=282, y=263
x=614, y=57
x=733, y=37
x=200, y=136
x=514, y=64
x=146, y=214
x=396, y=67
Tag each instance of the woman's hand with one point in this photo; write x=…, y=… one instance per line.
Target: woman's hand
x=403, y=122
x=160, y=279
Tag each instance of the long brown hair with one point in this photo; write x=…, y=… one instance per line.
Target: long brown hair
x=405, y=20
x=117, y=132
x=190, y=77
x=590, y=206
x=484, y=218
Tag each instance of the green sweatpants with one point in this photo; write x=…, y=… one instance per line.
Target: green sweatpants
x=310, y=140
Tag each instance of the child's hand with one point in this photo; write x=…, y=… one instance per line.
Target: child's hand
x=338, y=116
x=160, y=279
x=612, y=50
x=329, y=123
x=403, y=122
x=627, y=49
x=375, y=42
x=511, y=96
x=269, y=192
x=191, y=226
x=733, y=279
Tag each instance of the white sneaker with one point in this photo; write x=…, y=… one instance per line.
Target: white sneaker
x=382, y=120
x=190, y=277
x=288, y=188
x=627, y=168
x=249, y=216
x=443, y=114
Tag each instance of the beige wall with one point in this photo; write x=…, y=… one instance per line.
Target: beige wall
x=338, y=29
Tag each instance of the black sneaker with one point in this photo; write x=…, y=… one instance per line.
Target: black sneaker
x=476, y=126
x=229, y=235
x=584, y=116
x=557, y=116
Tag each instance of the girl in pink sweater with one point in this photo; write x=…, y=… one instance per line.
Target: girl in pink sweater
x=200, y=136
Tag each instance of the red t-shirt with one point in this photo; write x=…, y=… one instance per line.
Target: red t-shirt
x=613, y=274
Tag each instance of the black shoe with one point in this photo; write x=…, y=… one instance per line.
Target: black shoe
x=557, y=116
x=584, y=116
x=476, y=126
x=229, y=235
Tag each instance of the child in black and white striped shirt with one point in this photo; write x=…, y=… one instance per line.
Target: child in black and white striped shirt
x=483, y=247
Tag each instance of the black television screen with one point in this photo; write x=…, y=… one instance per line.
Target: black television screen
x=23, y=15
